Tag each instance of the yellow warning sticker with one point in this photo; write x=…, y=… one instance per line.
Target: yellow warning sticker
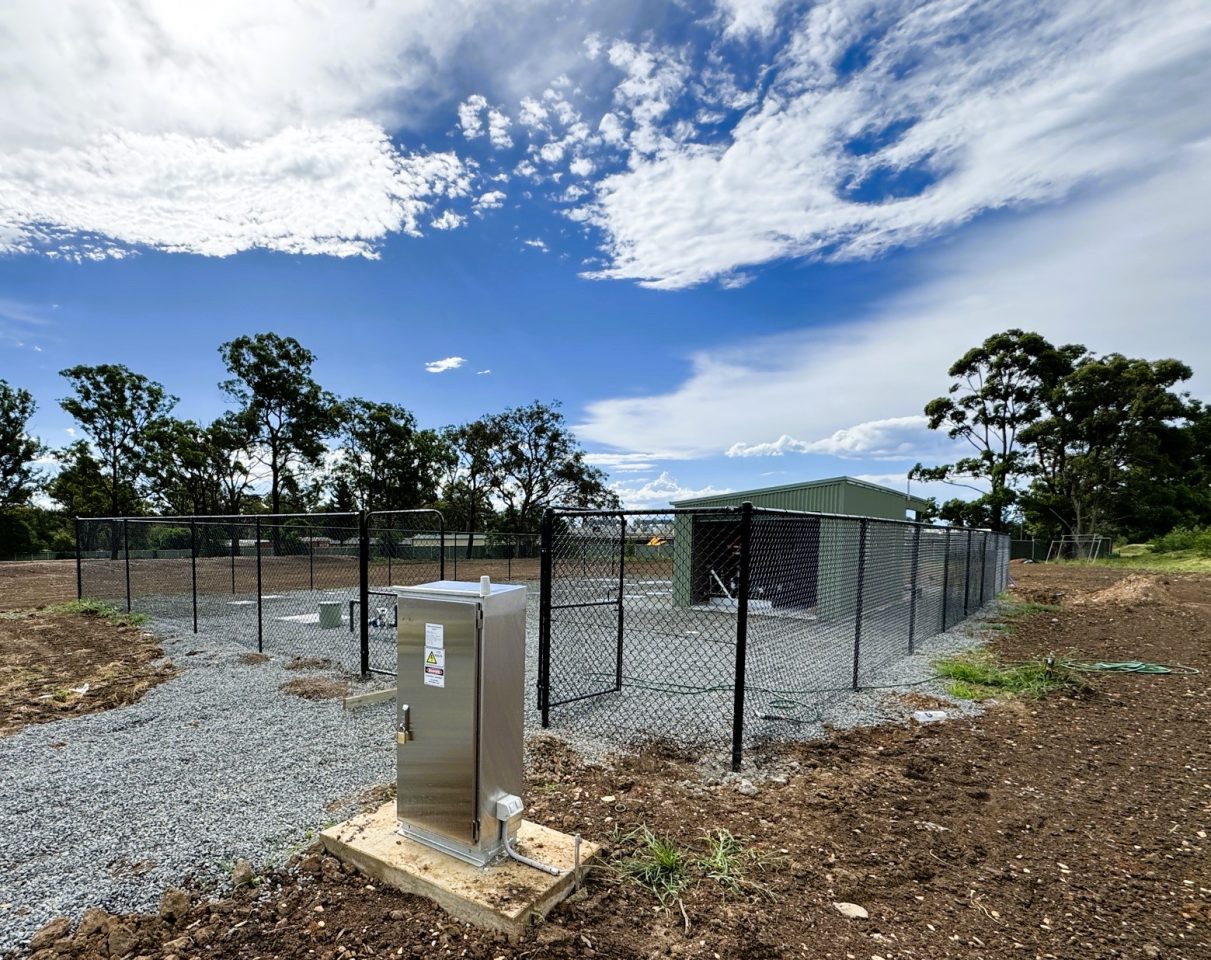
x=435, y=667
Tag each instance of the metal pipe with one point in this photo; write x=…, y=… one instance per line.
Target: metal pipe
x=126, y=552
x=622, y=583
x=79, y=567
x=260, y=626
x=193, y=568
x=746, y=535
x=945, y=578
x=912, y=600
x=858, y=598
x=363, y=579
x=544, y=617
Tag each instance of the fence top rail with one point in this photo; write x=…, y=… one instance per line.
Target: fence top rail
x=225, y=517
x=762, y=511
x=387, y=513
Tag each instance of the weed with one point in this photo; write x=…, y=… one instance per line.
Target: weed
x=1022, y=608
x=978, y=676
x=665, y=869
x=102, y=609
x=728, y=861
x=658, y=865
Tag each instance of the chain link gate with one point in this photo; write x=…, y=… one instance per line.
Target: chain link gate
x=581, y=605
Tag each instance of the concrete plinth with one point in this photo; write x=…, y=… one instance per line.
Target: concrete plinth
x=505, y=896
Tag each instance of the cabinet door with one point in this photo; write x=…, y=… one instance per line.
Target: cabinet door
x=438, y=657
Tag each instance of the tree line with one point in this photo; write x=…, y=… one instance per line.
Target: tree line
x=1061, y=440
x=284, y=445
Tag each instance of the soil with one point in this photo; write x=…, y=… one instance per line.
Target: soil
x=25, y=584
x=1062, y=827
x=54, y=665
x=316, y=688
x=35, y=583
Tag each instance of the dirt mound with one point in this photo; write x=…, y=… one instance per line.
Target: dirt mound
x=316, y=688
x=1135, y=589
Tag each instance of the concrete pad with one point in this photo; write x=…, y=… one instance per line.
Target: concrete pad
x=506, y=895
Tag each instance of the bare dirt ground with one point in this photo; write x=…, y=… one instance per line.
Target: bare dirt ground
x=25, y=584
x=35, y=583
x=54, y=665
x=1062, y=827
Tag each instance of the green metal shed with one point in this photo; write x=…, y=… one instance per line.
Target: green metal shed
x=807, y=566
x=843, y=495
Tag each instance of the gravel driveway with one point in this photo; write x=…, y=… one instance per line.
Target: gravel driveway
x=213, y=766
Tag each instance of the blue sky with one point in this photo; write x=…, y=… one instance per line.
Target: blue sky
x=739, y=241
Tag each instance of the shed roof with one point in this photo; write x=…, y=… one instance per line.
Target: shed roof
x=738, y=496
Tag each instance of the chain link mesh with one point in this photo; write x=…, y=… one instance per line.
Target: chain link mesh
x=644, y=614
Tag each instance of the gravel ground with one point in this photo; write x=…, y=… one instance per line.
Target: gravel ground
x=215, y=765
x=219, y=765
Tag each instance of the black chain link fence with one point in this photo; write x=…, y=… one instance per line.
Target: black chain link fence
x=698, y=626
x=302, y=585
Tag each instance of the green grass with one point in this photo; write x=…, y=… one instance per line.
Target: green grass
x=102, y=609
x=1022, y=608
x=1140, y=556
x=666, y=869
x=978, y=675
x=658, y=865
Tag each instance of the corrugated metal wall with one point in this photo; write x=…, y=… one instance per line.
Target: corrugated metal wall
x=838, y=496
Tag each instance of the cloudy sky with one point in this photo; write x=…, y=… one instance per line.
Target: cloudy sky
x=741, y=241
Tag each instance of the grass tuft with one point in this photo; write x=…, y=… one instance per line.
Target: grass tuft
x=658, y=865
x=979, y=676
x=102, y=609
x=728, y=863
x=665, y=869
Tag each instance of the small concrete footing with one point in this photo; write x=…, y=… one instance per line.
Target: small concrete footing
x=506, y=895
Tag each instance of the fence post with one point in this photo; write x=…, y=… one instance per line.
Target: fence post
x=235, y=545
x=983, y=566
x=260, y=628
x=126, y=555
x=79, y=567
x=858, y=598
x=311, y=559
x=746, y=537
x=441, y=546
x=193, y=568
x=363, y=591
x=945, y=578
x=622, y=580
x=544, y=616
x=912, y=600
x=967, y=577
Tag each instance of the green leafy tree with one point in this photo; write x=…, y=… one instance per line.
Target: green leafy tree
x=202, y=470
x=283, y=412
x=1108, y=446
x=537, y=462
x=466, y=499
x=19, y=480
x=998, y=390
x=123, y=414
x=387, y=462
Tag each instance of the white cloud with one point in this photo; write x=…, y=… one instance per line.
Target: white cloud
x=482, y=373
x=949, y=120
x=219, y=127
x=1129, y=270
x=449, y=220
x=333, y=190
x=470, y=116
x=448, y=363
x=621, y=462
x=581, y=166
x=70, y=431
x=533, y=114
x=742, y=17
x=536, y=244
x=491, y=200
x=498, y=129
x=895, y=438
x=658, y=492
